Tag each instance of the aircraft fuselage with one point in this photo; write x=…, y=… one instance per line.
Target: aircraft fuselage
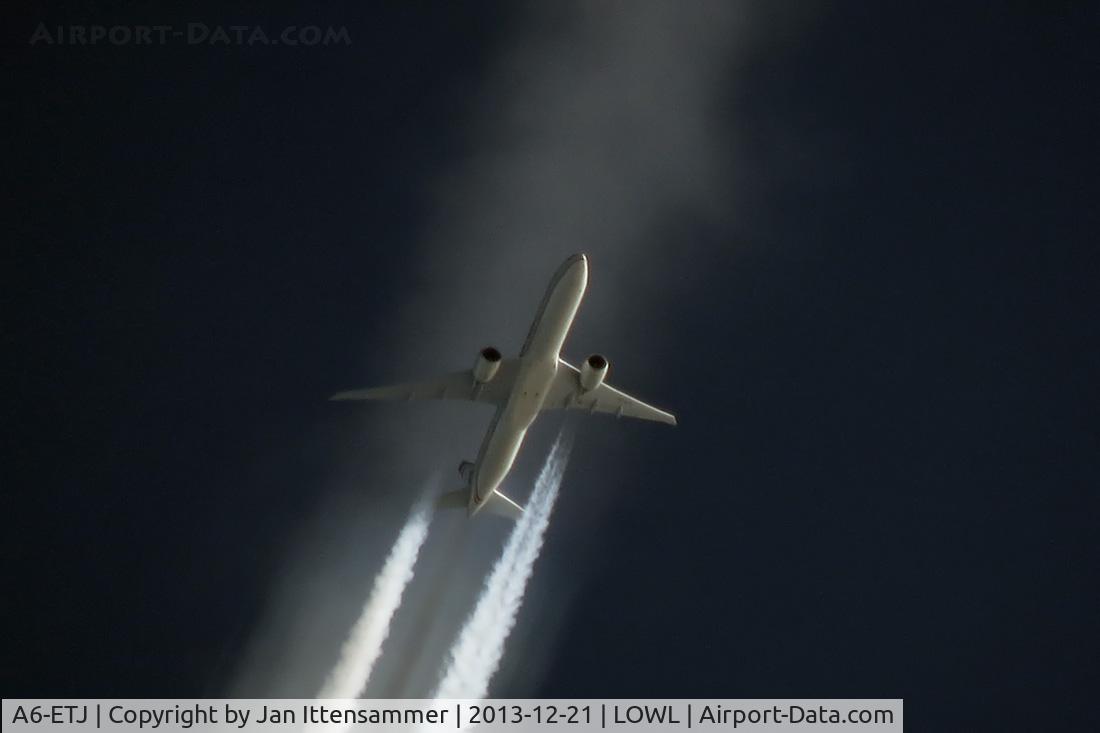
x=538, y=365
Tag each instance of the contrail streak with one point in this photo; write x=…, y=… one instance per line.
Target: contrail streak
x=364, y=644
x=476, y=654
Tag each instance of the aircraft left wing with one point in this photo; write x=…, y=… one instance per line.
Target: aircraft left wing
x=453, y=386
x=566, y=393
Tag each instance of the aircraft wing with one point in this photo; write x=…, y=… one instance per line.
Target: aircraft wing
x=454, y=386
x=566, y=393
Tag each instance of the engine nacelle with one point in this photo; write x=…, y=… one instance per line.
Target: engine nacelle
x=485, y=368
x=593, y=371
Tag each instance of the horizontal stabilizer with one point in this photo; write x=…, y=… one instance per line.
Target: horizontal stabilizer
x=453, y=499
x=502, y=506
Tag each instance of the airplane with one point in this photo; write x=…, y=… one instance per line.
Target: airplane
x=520, y=388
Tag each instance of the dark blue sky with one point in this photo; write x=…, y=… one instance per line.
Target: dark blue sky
x=883, y=484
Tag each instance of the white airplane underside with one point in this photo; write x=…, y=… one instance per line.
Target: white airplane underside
x=520, y=388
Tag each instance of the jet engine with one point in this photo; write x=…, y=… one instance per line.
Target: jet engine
x=593, y=372
x=485, y=368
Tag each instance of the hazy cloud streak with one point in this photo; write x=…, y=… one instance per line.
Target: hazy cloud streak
x=476, y=654
x=364, y=643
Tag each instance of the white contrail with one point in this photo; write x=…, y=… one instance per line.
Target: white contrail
x=476, y=654
x=364, y=644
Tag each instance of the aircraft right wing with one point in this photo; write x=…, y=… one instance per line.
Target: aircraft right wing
x=453, y=386
x=566, y=393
